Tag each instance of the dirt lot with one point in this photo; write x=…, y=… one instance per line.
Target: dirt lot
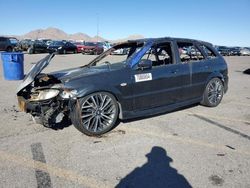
x=194, y=147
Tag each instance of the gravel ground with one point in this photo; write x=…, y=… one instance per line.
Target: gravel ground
x=193, y=147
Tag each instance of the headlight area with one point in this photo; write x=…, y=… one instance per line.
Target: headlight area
x=68, y=93
x=45, y=94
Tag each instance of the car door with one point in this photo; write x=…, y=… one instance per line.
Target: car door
x=159, y=86
x=203, y=68
x=199, y=69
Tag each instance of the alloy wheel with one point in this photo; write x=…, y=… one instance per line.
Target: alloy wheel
x=98, y=112
x=215, y=91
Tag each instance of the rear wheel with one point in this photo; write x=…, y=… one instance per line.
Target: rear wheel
x=95, y=114
x=213, y=93
x=30, y=50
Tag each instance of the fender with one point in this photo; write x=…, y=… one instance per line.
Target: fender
x=217, y=75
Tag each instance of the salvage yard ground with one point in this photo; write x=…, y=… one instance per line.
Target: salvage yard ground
x=192, y=147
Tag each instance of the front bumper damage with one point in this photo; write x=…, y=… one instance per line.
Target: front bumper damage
x=47, y=111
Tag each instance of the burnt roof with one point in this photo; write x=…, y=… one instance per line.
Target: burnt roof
x=162, y=39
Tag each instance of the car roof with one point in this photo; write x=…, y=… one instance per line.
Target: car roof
x=8, y=37
x=167, y=39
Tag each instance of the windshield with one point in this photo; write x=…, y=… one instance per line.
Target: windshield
x=127, y=53
x=78, y=43
x=90, y=44
x=13, y=41
x=57, y=43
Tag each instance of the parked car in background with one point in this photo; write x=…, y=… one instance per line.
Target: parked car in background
x=245, y=51
x=62, y=47
x=223, y=50
x=80, y=46
x=153, y=78
x=24, y=44
x=122, y=51
x=8, y=43
x=37, y=46
x=106, y=45
x=92, y=48
x=234, y=51
x=46, y=41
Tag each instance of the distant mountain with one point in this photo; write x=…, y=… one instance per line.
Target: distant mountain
x=51, y=33
x=57, y=34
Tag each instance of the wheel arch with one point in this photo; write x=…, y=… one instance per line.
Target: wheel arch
x=215, y=75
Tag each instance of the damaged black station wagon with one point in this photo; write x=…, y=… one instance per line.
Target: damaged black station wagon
x=155, y=76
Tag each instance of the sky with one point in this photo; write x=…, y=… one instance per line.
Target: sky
x=221, y=22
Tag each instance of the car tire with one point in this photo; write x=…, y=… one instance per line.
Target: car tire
x=30, y=50
x=75, y=51
x=213, y=93
x=95, y=114
x=9, y=49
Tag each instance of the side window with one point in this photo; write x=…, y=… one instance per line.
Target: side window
x=189, y=53
x=2, y=39
x=150, y=54
x=160, y=54
x=208, y=52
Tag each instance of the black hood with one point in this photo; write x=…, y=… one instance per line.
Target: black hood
x=69, y=74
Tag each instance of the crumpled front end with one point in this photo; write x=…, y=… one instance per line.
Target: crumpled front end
x=43, y=96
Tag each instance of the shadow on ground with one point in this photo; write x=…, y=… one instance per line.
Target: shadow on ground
x=247, y=71
x=156, y=173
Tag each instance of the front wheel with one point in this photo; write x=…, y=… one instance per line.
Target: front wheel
x=95, y=114
x=213, y=93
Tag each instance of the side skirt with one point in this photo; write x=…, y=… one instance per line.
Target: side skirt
x=158, y=110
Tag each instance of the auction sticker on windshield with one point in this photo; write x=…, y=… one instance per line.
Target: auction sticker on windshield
x=143, y=77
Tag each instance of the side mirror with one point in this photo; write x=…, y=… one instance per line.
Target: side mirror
x=145, y=64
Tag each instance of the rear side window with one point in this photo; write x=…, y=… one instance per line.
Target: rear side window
x=189, y=53
x=209, y=52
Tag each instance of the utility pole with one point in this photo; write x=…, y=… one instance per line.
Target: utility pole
x=97, y=28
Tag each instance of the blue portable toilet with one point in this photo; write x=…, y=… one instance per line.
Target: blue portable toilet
x=13, y=65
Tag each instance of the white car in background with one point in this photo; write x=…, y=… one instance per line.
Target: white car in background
x=245, y=51
x=105, y=45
